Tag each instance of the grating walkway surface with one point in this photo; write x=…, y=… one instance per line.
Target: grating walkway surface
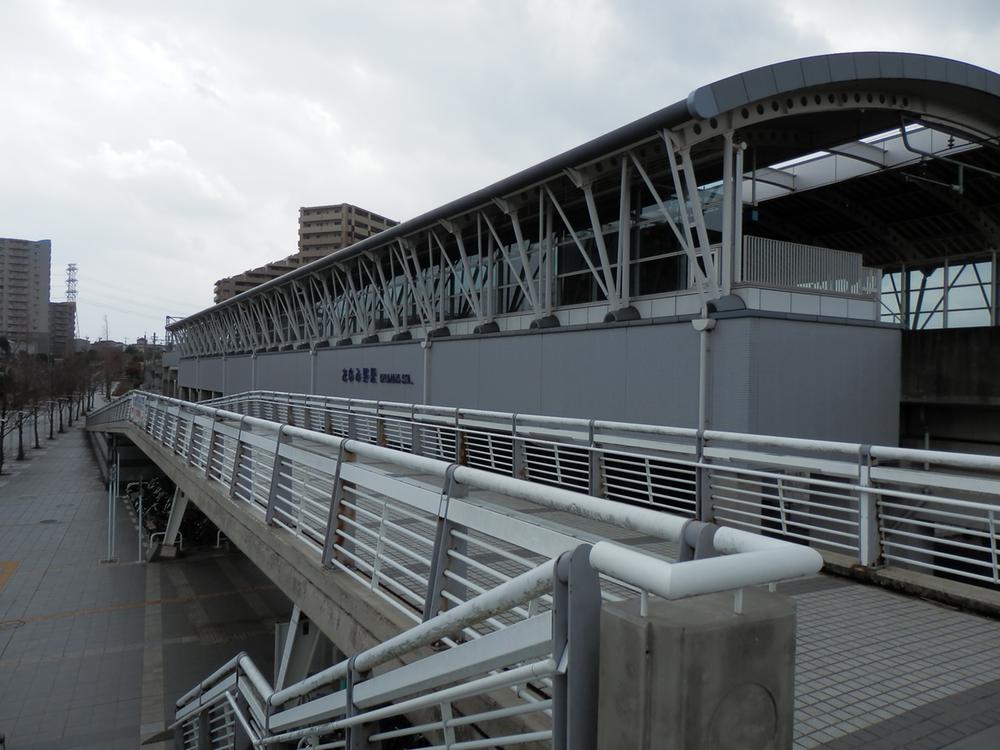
x=92, y=655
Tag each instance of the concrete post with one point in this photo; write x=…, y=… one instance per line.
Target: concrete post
x=695, y=674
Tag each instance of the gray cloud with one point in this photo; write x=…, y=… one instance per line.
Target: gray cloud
x=162, y=146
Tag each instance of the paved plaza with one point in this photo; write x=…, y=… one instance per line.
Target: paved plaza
x=92, y=654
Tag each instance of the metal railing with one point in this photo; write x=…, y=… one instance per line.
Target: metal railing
x=439, y=542
x=933, y=511
x=789, y=265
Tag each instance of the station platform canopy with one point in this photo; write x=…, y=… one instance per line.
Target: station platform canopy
x=894, y=157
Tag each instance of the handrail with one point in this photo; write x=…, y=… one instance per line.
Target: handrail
x=825, y=493
x=443, y=577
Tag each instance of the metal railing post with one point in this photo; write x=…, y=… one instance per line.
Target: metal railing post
x=518, y=464
x=576, y=623
x=188, y=452
x=203, y=730
x=379, y=425
x=333, y=519
x=237, y=458
x=357, y=735
x=209, y=448
x=416, y=436
x=352, y=423
x=869, y=548
x=703, y=484
x=595, y=482
x=444, y=541
x=272, y=490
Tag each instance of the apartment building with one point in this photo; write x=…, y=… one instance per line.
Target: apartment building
x=25, y=267
x=62, y=328
x=322, y=230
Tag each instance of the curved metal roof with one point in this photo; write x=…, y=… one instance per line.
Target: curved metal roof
x=961, y=86
x=847, y=68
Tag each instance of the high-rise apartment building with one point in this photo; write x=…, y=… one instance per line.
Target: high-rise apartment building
x=322, y=230
x=25, y=267
x=62, y=328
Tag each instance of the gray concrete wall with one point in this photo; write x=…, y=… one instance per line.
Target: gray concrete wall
x=238, y=375
x=404, y=358
x=210, y=374
x=283, y=371
x=768, y=375
x=825, y=381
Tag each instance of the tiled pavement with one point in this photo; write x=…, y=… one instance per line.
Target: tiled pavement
x=92, y=655
x=876, y=669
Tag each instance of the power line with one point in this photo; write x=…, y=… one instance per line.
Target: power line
x=134, y=312
x=127, y=292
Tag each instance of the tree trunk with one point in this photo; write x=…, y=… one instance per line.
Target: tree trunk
x=20, y=436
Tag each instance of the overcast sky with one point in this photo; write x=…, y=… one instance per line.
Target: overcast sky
x=163, y=145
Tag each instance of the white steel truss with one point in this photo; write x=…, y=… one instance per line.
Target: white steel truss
x=510, y=254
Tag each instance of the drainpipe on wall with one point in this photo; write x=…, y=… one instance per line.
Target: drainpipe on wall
x=703, y=494
x=703, y=326
x=426, y=346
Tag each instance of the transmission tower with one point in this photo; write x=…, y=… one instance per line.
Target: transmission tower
x=71, y=282
x=71, y=296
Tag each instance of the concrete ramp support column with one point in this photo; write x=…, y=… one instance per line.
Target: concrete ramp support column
x=177, y=510
x=713, y=671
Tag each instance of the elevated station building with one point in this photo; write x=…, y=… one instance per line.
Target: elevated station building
x=805, y=249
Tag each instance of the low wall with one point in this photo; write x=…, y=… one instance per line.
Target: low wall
x=767, y=374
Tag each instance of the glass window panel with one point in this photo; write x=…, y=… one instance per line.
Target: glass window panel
x=577, y=289
x=927, y=301
x=890, y=303
x=968, y=318
x=965, y=297
x=660, y=275
x=925, y=321
x=962, y=273
x=892, y=281
x=655, y=240
x=569, y=258
x=935, y=278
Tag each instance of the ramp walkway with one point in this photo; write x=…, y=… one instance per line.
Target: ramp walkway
x=868, y=697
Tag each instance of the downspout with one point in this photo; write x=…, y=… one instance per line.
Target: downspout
x=426, y=346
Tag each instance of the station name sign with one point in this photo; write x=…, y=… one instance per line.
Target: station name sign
x=372, y=376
